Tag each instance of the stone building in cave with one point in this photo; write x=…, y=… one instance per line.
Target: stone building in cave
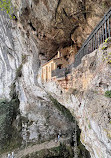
x=61, y=60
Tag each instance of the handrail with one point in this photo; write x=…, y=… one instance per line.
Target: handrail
x=98, y=26
x=98, y=35
x=101, y=32
x=61, y=72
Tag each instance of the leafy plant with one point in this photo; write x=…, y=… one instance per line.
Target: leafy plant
x=108, y=94
x=106, y=40
x=6, y=5
x=106, y=55
x=104, y=47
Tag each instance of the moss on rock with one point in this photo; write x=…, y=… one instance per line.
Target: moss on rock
x=62, y=109
x=9, y=135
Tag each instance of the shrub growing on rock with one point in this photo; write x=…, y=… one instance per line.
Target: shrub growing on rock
x=108, y=94
x=5, y=5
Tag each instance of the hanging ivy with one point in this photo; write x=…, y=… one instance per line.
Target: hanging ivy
x=6, y=5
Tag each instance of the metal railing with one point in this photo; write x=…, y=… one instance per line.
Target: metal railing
x=58, y=72
x=101, y=32
x=61, y=72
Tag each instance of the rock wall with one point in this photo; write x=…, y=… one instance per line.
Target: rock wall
x=37, y=120
x=59, y=23
x=87, y=100
x=41, y=28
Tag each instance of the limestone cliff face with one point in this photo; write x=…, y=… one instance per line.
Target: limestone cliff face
x=38, y=119
x=41, y=28
x=59, y=23
x=87, y=101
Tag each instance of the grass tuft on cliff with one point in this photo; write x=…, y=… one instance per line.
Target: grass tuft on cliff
x=6, y=5
x=108, y=94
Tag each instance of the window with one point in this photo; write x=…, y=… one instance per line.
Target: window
x=59, y=66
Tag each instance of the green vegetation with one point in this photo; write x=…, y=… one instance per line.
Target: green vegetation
x=9, y=133
x=105, y=44
x=106, y=40
x=6, y=113
x=104, y=47
x=108, y=94
x=106, y=55
x=5, y=5
x=9, y=137
x=62, y=109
